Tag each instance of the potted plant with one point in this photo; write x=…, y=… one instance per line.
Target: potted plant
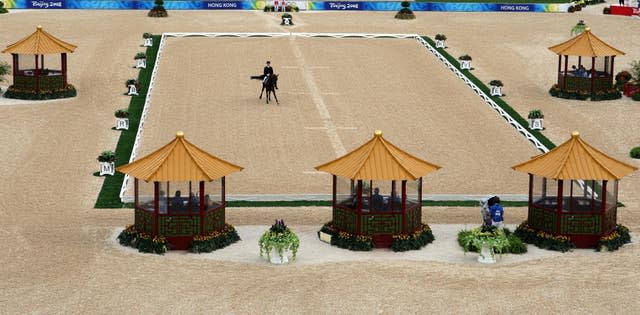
x=635, y=153
x=277, y=242
x=269, y=8
x=287, y=19
x=133, y=86
x=405, y=13
x=107, y=160
x=141, y=60
x=536, y=119
x=4, y=70
x=578, y=28
x=440, y=38
x=487, y=240
x=148, y=39
x=496, y=87
x=122, y=119
x=465, y=62
x=158, y=10
x=2, y=8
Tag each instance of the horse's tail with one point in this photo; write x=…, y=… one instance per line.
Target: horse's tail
x=255, y=77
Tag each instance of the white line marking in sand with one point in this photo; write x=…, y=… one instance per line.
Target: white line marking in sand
x=332, y=131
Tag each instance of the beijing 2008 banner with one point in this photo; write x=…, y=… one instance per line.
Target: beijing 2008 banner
x=260, y=4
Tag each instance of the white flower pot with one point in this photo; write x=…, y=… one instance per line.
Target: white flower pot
x=107, y=168
x=122, y=123
x=439, y=43
x=496, y=90
x=148, y=42
x=286, y=21
x=325, y=237
x=465, y=64
x=141, y=63
x=132, y=90
x=486, y=255
x=277, y=260
x=536, y=124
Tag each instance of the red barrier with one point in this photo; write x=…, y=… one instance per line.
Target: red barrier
x=621, y=10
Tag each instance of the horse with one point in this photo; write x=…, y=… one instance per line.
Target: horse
x=271, y=85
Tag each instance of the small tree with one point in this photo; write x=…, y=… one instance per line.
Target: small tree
x=158, y=10
x=578, y=28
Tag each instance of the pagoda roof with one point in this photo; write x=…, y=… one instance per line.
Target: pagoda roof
x=574, y=160
x=585, y=44
x=179, y=160
x=40, y=43
x=378, y=159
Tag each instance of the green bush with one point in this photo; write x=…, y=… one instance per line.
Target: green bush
x=4, y=69
x=12, y=92
x=2, y=8
x=215, y=240
x=269, y=8
x=615, y=239
x=415, y=241
x=405, y=4
x=543, y=239
x=346, y=240
x=636, y=96
x=635, y=152
x=502, y=240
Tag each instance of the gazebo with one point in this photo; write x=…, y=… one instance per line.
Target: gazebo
x=573, y=191
x=196, y=206
x=31, y=74
x=377, y=191
x=599, y=77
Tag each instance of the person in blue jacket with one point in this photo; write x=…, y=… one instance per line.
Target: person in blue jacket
x=497, y=212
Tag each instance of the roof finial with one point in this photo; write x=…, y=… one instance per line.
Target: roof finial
x=378, y=133
x=575, y=134
x=39, y=27
x=587, y=29
x=180, y=134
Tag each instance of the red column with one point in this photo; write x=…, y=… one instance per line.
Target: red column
x=16, y=64
x=201, y=189
x=37, y=76
x=564, y=79
x=612, y=72
x=334, y=191
x=156, y=206
x=359, y=207
x=593, y=73
x=223, y=198
x=404, y=206
x=559, y=208
x=604, y=206
x=63, y=62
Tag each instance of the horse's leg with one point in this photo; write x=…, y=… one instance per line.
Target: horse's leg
x=274, y=96
x=260, y=97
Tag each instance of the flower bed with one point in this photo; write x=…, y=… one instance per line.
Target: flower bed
x=346, y=240
x=215, y=240
x=414, y=241
x=543, y=239
x=143, y=241
x=615, y=239
x=583, y=95
x=12, y=92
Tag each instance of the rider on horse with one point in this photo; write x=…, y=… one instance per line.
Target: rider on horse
x=266, y=72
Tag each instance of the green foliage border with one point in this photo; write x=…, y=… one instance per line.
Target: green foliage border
x=109, y=193
x=615, y=239
x=543, y=239
x=214, y=241
x=516, y=245
x=414, y=241
x=142, y=241
x=346, y=240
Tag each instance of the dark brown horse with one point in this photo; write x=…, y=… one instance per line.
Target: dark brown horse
x=271, y=85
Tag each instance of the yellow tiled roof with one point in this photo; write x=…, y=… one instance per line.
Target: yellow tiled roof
x=575, y=159
x=585, y=44
x=179, y=160
x=39, y=43
x=378, y=159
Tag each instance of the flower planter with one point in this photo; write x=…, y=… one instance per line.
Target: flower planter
x=536, y=124
x=276, y=259
x=122, y=123
x=325, y=237
x=496, y=90
x=141, y=63
x=107, y=168
x=439, y=43
x=148, y=42
x=465, y=64
x=132, y=90
x=287, y=21
x=486, y=255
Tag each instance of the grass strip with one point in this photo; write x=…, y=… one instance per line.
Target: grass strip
x=506, y=107
x=109, y=194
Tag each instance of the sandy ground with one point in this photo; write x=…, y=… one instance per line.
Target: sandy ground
x=58, y=257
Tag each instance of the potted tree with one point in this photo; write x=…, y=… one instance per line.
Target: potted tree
x=496, y=87
x=107, y=161
x=277, y=242
x=122, y=119
x=287, y=19
x=465, y=62
x=133, y=86
x=405, y=13
x=141, y=60
x=440, y=38
x=148, y=39
x=158, y=10
x=536, y=119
